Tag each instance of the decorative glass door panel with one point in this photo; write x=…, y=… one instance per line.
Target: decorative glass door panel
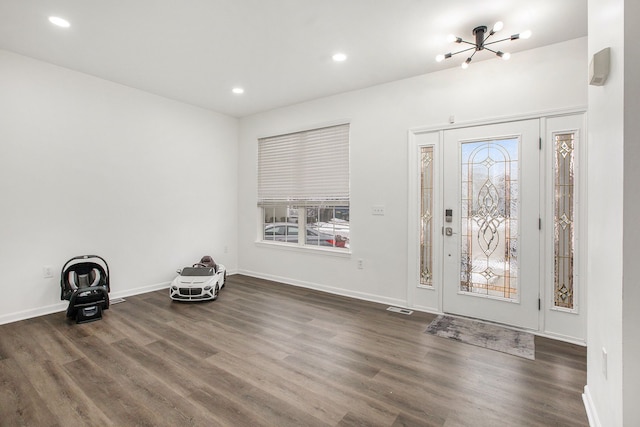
x=491, y=212
x=563, y=233
x=563, y=298
x=489, y=218
x=426, y=216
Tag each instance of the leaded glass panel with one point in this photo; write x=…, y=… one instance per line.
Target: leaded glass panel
x=426, y=216
x=563, y=230
x=489, y=226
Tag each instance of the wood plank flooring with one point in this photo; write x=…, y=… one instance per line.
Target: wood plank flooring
x=267, y=354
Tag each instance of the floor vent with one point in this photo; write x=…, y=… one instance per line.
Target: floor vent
x=116, y=300
x=400, y=310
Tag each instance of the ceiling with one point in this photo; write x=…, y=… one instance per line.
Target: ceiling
x=279, y=51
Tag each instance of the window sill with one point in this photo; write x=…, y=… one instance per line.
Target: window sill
x=340, y=253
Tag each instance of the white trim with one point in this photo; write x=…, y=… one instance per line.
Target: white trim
x=592, y=414
x=62, y=306
x=302, y=248
x=328, y=289
x=141, y=290
x=412, y=195
x=35, y=312
x=500, y=119
x=543, y=215
x=561, y=337
x=304, y=128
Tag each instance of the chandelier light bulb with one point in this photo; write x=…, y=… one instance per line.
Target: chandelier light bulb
x=498, y=26
x=451, y=38
x=60, y=22
x=440, y=58
x=464, y=65
x=525, y=34
x=339, y=57
x=506, y=56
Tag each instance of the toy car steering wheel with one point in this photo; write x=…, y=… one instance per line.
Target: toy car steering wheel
x=199, y=264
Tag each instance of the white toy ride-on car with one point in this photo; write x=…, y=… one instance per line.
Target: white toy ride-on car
x=201, y=282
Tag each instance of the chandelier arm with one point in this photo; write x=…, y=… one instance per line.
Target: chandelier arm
x=490, y=50
x=498, y=41
x=464, y=50
x=487, y=38
x=464, y=41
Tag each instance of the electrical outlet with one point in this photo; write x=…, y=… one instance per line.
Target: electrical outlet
x=377, y=210
x=604, y=362
x=360, y=264
x=47, y=272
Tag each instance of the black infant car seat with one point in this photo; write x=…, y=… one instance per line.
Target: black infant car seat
x=84, y=282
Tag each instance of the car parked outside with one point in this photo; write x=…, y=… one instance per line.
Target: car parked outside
x=289, y=232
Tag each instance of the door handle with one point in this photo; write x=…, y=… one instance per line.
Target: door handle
x=448, y=231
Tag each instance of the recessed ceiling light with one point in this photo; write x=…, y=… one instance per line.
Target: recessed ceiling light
x=237, y=90
x=339, y=57
x=59, y=22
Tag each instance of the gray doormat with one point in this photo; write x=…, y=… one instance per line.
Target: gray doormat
x=485, y=335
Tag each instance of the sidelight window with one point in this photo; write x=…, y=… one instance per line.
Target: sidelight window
x=426, y=216
x=563, y=231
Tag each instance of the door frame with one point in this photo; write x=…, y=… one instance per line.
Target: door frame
x=430, y=299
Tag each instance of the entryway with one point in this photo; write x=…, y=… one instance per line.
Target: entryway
x=493, y=223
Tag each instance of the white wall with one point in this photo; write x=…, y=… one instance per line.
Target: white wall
x=92, y=167
x=631, y=288
x=605, y=218
x=544, y=79
x=631, y=291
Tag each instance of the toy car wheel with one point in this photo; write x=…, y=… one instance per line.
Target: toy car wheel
x=215, y=292
x=224, y=279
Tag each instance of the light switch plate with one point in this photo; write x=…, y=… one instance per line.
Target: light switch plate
x=377, y=210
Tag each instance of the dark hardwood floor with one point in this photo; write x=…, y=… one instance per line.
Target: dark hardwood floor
x=267, y=354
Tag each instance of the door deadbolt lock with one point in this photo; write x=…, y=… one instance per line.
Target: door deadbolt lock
x=448, y=231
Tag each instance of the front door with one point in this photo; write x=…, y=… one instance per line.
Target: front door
x=490, y=207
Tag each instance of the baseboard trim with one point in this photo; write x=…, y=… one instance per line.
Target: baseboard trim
x=328, y=289
x=141, y=290
x=560, y=337
x=62, y=305
x=592, y=414
x=34, y=312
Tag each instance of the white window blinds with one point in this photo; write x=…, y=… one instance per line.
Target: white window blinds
x=305, y=168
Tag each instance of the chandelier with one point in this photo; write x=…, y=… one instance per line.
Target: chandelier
x=481, y=43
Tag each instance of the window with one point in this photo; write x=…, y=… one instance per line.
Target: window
x=426, y=216
x=303, y=184
x=564, y=210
